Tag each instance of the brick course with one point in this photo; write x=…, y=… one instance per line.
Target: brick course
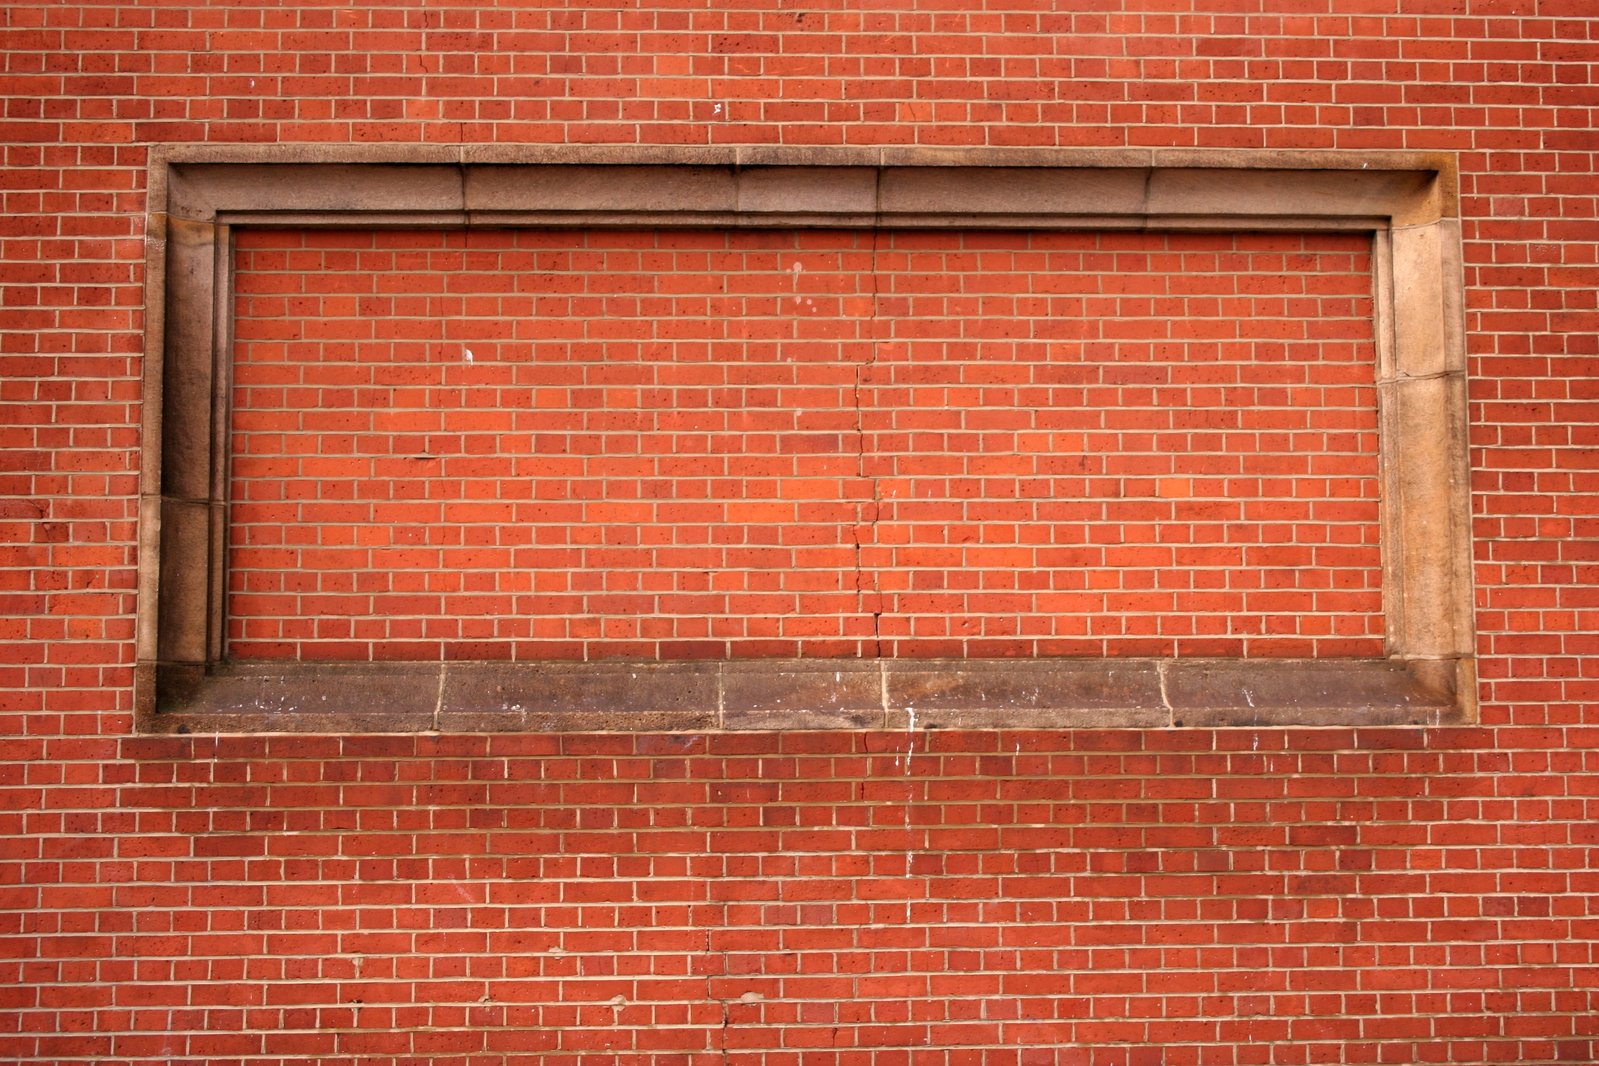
x=1103, y=897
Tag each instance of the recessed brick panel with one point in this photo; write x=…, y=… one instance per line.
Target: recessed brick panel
x=1181, y=897
x=670, y=444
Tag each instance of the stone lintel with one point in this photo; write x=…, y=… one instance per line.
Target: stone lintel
x=903, y=187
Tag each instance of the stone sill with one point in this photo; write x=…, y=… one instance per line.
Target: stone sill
x=806, y=694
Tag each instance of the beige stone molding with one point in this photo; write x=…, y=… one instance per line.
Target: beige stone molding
x=1407, y=201
x=763, y=694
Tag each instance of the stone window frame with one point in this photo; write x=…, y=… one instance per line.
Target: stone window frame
x=1408, y=202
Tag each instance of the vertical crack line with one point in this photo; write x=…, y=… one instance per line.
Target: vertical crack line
x=435, y=69
x=862, y=368
x=710, y=997
x=422, y=50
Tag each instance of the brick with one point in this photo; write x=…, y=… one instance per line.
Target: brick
x=1014, y=897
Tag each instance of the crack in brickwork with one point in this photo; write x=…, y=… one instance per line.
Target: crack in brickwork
x=863, y=369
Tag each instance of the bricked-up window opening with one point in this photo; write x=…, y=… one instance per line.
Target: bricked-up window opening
x=683, y=439
x=648, y=444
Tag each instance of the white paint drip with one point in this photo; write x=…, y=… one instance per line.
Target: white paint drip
x=468, y=355
x=911, y=728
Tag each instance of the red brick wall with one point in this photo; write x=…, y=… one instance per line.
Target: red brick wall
x=1114, y=897
x=683, y=444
